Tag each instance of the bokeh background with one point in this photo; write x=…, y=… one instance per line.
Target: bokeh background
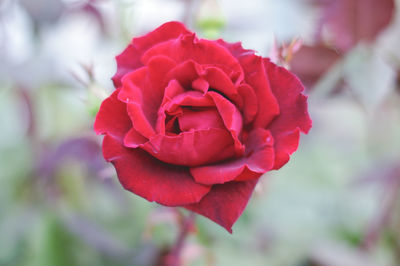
x=336, y=203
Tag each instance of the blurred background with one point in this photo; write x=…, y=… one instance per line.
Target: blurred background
x=336, y=203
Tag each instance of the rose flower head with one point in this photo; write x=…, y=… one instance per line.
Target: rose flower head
x=195, y=123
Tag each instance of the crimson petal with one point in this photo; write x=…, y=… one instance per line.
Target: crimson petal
x=112, y=118
x=129, y=59
x=287, y=144
x=256, y=77
x=225, y=203
x=294, y=115
x=188, y=47
x=143, y=91
x=232, y=118
x=258, y=158
x=192, y=148
x=151, y=179
x=204, y=118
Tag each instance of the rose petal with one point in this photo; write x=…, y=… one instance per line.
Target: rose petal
x=205, y=118
x=250, y=103
x=143, y=91
x=225, y=203
x=151, y=179
x=192, y=148
x=236, y=48
x=158, y=67
x=129, y=59
x=203, y=52
x=287, y=144
x=194, y=76
x=112, y=118
x=185, y=73
x=232, y=118
x=220, y=82
x=259, y=158
x=255, y=76
x=140, y=102
x=200, y=84
x=172, y=90
x=247, y=175
x=189, y=98
x=134, y=139
x=294, y=115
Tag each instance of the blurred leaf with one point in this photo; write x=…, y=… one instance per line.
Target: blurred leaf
x=353, y=238
x=95, y=236
x=81, y=149
x=52, y=245
x=14, y=232
x=351, y=21
x=311, y=62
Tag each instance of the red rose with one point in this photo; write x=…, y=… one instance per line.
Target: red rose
x=195, y=123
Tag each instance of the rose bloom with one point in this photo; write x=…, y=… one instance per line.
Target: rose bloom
x=195, y=123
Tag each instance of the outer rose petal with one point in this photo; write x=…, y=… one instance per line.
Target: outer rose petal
x=287, y=144
x=129, y=59
x=294, y=115
x=255, y=76
x=225, y=203
x=151, y=179
x=112, y=118
x=140, y=108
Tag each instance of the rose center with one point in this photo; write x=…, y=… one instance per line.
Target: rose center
x=193, y=118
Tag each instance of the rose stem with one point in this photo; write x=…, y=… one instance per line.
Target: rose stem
x=173, y=257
